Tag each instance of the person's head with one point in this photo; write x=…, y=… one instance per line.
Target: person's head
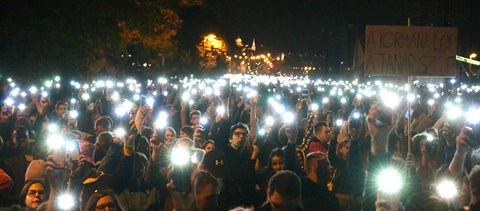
x=60, y=108
x=357, y=102
x=170, y=136
x=147, y=132
x=318, y=167
x=102, y=144
x=208, y=146
x=141, y=163
x=34, y=193
x=424, y=145
x=20, y=138
x=238, y=135
x=343, y=149
x=102, y=125
x=103, y=200
x=474, y=177
x=207, y=190
x=186, y=132
x=276, y=161
x=322, y=132
x=284, y=191
x=329, y=117
x=195, y=117
x=184, y=143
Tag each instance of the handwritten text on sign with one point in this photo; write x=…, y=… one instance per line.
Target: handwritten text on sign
x=415, y=51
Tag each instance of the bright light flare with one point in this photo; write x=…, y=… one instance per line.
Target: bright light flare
x=356, y=115
x=390, y=99
x=203, y=120
x=454, y=112
x=120, y=132
x=339, y=122
x=314, y=107
x=22, y=107
x=161, y=122
x=431, y=102
x=150, y=101
x=390, y=181
x=55, y=141
x=9, y=101
x=343, y=100
x=65, y=202
x=325, y=100
x=52, y=128
x=447, y=189
x=269, y=121
x=85, y=96
x=288, y=117
x=74, y=114
x=221, y=110
x=473, y=116
x=180, y=156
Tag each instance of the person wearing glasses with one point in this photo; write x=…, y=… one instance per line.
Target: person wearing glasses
x=241, y=161
x=34, y=193
x=103, y=200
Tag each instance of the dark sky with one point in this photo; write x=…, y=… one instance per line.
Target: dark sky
x=313, y=25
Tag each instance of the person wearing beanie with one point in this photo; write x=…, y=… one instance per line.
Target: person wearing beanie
x=186, y=131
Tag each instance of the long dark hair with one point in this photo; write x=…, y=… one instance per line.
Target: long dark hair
x=23, y=193
x=92, y=201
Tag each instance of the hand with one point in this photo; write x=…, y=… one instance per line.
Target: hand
x=464, y=139
x=410, y=161
x=255, y=150
x=291, y=133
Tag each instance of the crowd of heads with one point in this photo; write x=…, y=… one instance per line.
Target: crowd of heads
x=240, y=142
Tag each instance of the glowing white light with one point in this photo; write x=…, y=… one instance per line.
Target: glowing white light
x=162, y=120
x=473, y=116
x=453, y=81
x=314, y=107
x=150, y=101
x=73, y=101
x=431, y=102
x=430, y=137
x=65, y=202
x=447, y=189
x=288, y=117
x=343, y=100
x=52, y=128
x=203, y=120
x=410, y=97
x=389, y=181
x=180, y=156
x=185, y=96
x=74, y=114
x=222, y=82
x=220, y=110
x=339, y=122
x=85, y=96
x=454, y=112
x=162, y=80
x=48, y=84
x=120, y=132
x=9, y=101
x=191, y=102
x=33, y=90
x=390, y=99
x=57, y=78
x=262, y=132
x=269, y=121
x=136, y=97
x=208, y=91
x=44, y=93
x=70, y=145
x=356, y=115
x=100, y=84
x=359, y=96
x=23, y=94
x=22, y=107
x=55, y=141
x=325, y=100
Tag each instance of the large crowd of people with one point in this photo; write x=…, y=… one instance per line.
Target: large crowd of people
x=239, y=143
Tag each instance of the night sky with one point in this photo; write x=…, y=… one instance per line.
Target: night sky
x=313, y=25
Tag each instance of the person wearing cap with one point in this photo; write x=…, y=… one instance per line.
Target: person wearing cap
x=230, y=195
x=20, y=157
